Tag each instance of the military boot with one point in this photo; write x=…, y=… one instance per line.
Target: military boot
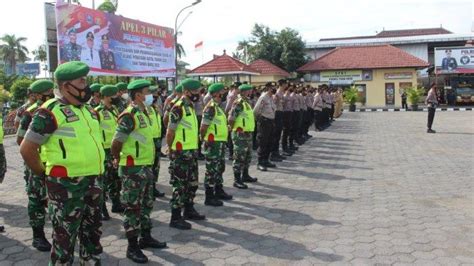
x=177, y=220
x=261, y=165
x=238, y=181
x=147, y=241
x=105, y=213
x=117, y=206
x=191, y=214
x=247, y=178
x=134, y=252
x=39, y=240
x=220, y=193
x=211, y=199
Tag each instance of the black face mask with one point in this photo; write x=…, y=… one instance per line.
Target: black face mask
x=194, y=97
x=224, y=96
x=155, y=98
x=87, y=93
x=115, y=101
x=291, y=90
x=274, y=91
x=45, y=98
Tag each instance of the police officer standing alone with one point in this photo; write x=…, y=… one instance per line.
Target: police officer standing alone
x=432, y=102
x=67, y=129
x=134, y=151
x=214, y=133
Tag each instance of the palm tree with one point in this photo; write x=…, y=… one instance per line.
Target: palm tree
x=13, y=50
x=40, y=53
x=180, y=51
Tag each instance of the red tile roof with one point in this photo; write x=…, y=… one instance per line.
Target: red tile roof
x=364, y=57
x=223, y=64
x=394, y=33
x=267, y=68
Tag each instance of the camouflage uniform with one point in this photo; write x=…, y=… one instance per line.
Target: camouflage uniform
x=35, y=186
x=71, y=52
x=19, y=114
x=242, y=142
x=214, y=152
x=137, y=185
x=73, y=202
x=3, y=160
x=183, y=166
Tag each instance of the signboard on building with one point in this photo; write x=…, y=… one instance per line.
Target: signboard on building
x=343, y=76
x=399, y=75
x=28, y=69
x=114, y=45
x=454, y=60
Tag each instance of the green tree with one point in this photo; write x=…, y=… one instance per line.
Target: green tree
x=180, y=51
x=283, y=48
x=7, y=80
x=13, y=50
x=108, y=6
x=40, y=53
x=19, y=89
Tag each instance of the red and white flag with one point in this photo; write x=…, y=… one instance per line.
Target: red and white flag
x=198, y=46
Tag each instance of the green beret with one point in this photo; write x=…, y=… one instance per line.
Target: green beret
x=138, y=84
x=216, y=87
x=245, y=87
x=41, y=86
x=95, y=87
x=108, y=90
x=121, y=86
x=191, y=84
x=71, y=71
x=179, y=88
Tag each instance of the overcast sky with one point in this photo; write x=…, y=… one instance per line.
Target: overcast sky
x=220, y=24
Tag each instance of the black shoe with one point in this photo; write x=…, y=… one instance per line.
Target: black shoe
x=39, y=240
x=231, y=158
x=117, y=207
x=220, y=193
x=238, y=181
x=191, y=214
x=157, y=193
x=162, y=155
x=147, y=241
x=247, y=178
x=134, y=253
x=293, y=148
x=211, y=199
x=274, y=158
x=2, y=229
x=269, y=164
x=261, y=167
x=281, y=157
x=177, y=220
x=430, y=131
x=288, y=152
x=105, y=213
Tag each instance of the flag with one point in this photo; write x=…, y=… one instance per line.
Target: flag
x=198, y=46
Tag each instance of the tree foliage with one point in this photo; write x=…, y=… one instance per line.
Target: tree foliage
x=283, y=48
x=19, y=89
x=108, y=6
x=40, y=53
x=12, y=50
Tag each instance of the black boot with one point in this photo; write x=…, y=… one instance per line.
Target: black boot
x=177, y=220
x=191, y=214
x=105, y=213
x=220, y=193
x=117, y=206
x=261, y=166
x=147, y=241
x=275, y=158
x=211, y=199
x=247, y=178
x=268, y=164
x=2, y=229
x=238, y=181
x=156, y=192
x=39, y=240
x=134, y=252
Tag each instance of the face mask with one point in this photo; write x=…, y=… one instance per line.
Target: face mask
x=125, y=96
x=194, y=97
x=148, y=99
x=223, y=97
x=115, y=101
x=45, y=98
x=87, y=93
x=274, y=91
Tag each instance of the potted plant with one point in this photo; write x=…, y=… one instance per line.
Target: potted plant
x=350, y=96
x=414, y=94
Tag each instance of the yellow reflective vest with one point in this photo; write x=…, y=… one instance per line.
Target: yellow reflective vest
x=217, y=130
x=245, y=120
x=186, y=135
x=108, y=124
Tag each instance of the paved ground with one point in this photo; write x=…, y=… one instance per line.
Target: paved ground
x=372, y=189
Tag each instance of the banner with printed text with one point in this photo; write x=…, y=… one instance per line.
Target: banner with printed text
x=114, y=45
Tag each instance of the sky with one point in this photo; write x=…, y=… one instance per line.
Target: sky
x=221, y=24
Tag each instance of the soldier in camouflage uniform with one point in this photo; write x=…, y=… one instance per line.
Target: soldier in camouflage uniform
x=123, y=96
x=182, y=140
x=134, y=152
x=71, y=51
x=242, y=124
x=214, y=133
x=3, y=161
x=35, y=187
x=31, y=99
x=68, y=132
x=108, y=115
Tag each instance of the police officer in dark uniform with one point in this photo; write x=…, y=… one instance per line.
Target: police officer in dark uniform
x=107, y=60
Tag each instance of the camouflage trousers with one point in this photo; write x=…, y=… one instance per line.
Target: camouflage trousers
x=242, y=151
x=37, y=199
x=215, y=163
x=112, y=182
x=184, y=174
x=156, y=163
x=74, y=210
x=137, y=197
x=3, y=163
